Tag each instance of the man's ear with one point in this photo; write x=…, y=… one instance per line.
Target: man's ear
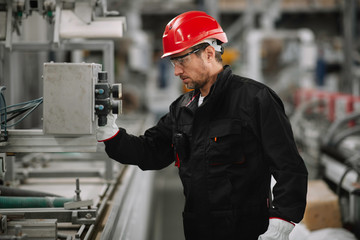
x=210, y=53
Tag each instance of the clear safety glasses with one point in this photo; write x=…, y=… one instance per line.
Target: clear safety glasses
x=181, y=60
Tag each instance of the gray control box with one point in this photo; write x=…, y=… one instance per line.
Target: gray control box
x=69, y=98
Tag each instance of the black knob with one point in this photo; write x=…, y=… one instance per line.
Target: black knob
x=102, y=76
x=102, y=121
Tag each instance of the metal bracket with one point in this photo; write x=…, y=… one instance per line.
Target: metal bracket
x=79, y=216
x=2, y=165
x=3, y=224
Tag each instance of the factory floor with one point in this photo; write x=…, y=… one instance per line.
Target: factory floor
x=168, y=205
x=169, y=202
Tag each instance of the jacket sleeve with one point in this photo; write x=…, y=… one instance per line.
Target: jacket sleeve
x=283, y=158
x=150, y=151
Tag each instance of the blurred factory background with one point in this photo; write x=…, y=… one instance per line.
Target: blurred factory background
x=56, y=182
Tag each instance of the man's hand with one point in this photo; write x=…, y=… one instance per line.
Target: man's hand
x=109, y=130
x=278, y=230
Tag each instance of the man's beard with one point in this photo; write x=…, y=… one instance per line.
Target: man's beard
x=191, y=85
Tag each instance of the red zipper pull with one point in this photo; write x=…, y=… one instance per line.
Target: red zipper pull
x=177, y=163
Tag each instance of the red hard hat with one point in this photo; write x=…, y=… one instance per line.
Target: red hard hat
x=188, y=29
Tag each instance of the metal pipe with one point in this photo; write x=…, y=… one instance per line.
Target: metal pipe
x=344, y=134
x=212, y=8
x=355, y=211
x=335, y=126
x=349, y=83
x=334, y=170
x=80, y=232
x=89, y=232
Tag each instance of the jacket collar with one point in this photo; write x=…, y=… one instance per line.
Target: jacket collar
x=222, y=81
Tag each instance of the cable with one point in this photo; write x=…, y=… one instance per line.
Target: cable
x=3, y=116
x=27, y=114
x=338, y=189
x=28, y=105
x=27, y=102
x=16, y=112
x=9, y=118
x=8, y=113
x=351, y=164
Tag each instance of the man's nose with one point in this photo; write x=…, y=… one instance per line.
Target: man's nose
x=177, y=70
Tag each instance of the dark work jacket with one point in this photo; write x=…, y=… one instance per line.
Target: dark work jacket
x=226, y=150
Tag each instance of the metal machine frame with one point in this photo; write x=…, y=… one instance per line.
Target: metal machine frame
x=27, y=141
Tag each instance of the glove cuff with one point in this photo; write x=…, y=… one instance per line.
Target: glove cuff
x=110, y=135
x=281, y=225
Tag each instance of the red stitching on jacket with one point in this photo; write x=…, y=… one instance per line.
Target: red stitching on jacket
x=192, y=99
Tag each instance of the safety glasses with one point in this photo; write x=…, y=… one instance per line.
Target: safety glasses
x=181, y=60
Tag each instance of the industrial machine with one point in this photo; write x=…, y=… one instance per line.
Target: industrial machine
x=326, y=126
x=56, y=182
x=57, y=84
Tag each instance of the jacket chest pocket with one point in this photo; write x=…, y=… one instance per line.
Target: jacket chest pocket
x=225, y=142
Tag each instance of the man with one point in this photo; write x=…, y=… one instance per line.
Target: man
x=227, y=137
